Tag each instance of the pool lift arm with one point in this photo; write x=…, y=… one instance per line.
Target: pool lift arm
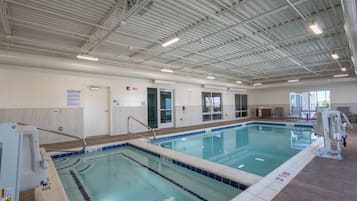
x=329, y=125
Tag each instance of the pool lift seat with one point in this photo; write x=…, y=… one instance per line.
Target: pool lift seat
x=329, y=125
x=23, y=165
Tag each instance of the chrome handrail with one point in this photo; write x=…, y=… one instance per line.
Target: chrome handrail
x=143, y=124
x=84, y=143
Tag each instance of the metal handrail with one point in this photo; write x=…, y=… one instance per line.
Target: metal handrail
x=84, y=143
x=141, y=123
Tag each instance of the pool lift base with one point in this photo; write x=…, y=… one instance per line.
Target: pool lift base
x=329, y=125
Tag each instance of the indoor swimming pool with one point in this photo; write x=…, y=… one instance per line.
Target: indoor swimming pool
x=129, y=173
x=257, y=148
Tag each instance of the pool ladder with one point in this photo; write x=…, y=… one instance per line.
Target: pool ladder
x=143, y=124
x=83, y=141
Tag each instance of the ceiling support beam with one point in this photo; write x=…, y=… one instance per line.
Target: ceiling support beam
x=98, y=31
x=5, y=20
x=125, y=16
x=233, y=26
x=262, y=31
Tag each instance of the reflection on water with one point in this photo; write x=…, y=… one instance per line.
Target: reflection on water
x=257, y=148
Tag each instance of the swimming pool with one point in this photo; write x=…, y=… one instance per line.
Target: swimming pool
x=257, y=148
x=128, y=173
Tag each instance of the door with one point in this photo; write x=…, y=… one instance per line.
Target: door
x=152, y=107
x=96, y=111
x=165, y=111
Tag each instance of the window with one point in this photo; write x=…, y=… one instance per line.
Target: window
x=309, y=102
x=73, y=98
x=241, y=101
x=211, y=106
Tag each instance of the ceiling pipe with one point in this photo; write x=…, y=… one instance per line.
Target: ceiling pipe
x=350, y=16
x=122, y=70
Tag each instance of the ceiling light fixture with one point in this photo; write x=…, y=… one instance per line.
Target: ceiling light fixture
x=296, y=80
x=315, y=28
x=341, y=75
x=239, y=82
x=166, y=70
x=257, y=84
x=334, y=55
x=214, y=87
x=343, y=69
x=170, y=42
x=211, y=77
x=87, y=57
x=163, y=82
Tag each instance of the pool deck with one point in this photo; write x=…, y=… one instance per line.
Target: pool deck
x=322, y=179
x=326, y=179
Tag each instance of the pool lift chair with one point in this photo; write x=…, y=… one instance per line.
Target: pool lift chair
x=329, y=125
x=23, y=164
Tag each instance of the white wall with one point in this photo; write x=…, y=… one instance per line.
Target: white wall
x=342, y=94
x=24, y=91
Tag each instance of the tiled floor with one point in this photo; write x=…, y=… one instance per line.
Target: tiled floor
x=326, y=179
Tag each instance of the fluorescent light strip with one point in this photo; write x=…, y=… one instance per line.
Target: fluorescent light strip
x=211, y=77
x=214, y=87
x=343, y=69
x=316, y=29
x=167, y=70
x=296, y=80
x=341, y=75
x=240, y=166
x=335, y=56
x=87, y=57
x=257, y=84
x=239, y=82
x=170, y=42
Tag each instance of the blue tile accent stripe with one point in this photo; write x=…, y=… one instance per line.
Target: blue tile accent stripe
x=144, y=150
x=211, y=175
x=167, y=178
x=177, y=136
x=265, y=123
x=80, y=186
x=198, y=170
x=303, y=126
x=226, y=127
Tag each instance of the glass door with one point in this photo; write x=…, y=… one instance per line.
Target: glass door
x=165, y=111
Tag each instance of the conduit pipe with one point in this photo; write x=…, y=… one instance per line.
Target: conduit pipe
x=350, y=16
x=122, y=69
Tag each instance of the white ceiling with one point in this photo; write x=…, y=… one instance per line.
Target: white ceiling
x=253, y=41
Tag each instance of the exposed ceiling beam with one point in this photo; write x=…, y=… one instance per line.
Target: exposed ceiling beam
x=98, y=31
x=264, y=30
x=196, y=23
x=235, y=25
x=4, y=18
x=125, y=16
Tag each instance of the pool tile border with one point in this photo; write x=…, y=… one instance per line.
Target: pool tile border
x=185, y=134
x=197, y=170
x=218, y=178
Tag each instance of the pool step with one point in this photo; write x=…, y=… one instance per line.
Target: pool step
x=72, y=164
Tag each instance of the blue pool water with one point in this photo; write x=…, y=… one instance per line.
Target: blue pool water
x=256, y=148
x=130, y=174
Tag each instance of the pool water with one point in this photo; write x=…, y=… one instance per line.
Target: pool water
x=129, y=174
x=256, y=148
